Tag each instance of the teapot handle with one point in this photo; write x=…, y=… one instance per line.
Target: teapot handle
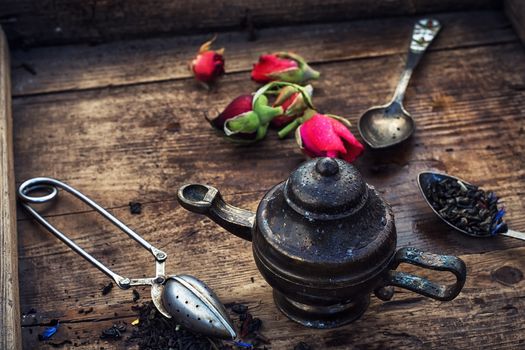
x=422, y=285
x=207, y=200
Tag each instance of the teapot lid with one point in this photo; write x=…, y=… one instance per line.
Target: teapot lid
x=326, y=189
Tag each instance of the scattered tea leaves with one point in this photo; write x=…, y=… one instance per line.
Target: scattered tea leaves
x=239, y=308
x=107, y=288
x=154, y=331
x=136, y=295
x=114, y=332
x=135, y=208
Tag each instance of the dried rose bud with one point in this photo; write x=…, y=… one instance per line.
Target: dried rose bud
x=292, y=100
x=328, y=136
x=208, y=65
x=246, y=118
x=283, y=66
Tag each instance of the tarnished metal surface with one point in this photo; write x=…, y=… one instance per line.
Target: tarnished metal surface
x=325, y=190
x=425, y=178
x=430, y=261
x=324, y=240
x=196, y=307
x=207, y=200
x=387, y=125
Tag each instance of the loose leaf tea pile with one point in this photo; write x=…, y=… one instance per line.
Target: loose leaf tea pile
x=155, y=331
x=467, y=207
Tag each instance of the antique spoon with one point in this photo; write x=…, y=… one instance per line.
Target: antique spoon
x=426, y=178
x=390, y=124
x=182, y=297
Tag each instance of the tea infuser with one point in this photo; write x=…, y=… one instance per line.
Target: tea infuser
x=184, y=298
x=426, y=178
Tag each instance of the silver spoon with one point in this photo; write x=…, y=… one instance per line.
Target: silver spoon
x=425, y=178
x=181, y=297
x=390, y=124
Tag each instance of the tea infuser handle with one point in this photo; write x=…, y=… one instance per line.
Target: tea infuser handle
x=51, y=186
x=422, y=285
x=207, y=200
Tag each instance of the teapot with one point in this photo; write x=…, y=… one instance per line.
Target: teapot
x=325, y=240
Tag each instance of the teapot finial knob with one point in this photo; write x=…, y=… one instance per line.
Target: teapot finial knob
x=325, y=189
x=327, y=166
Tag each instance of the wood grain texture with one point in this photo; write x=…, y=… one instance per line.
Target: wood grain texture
x=141, y=141
x=78, y=67
x=104, y=132
x=10, y=335
x=33, y=22
x=486, y=315
x=515, y=11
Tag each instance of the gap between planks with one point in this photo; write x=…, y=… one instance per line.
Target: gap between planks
x=481, y=298
x=243, y=71
x=132, y=62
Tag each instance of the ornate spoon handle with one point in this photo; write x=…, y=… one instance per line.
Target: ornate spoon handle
x=425, y=30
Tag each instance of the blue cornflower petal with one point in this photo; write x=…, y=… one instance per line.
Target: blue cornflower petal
x=498, y=216
x=48, y=332
x=243, y=344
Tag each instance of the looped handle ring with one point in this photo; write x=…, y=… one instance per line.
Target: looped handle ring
x=422, y=285
x=51, y=186
x=38, y=184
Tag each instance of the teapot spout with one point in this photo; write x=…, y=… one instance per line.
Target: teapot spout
x=207, y=200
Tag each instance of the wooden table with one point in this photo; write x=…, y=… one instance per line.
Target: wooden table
x=125, y=122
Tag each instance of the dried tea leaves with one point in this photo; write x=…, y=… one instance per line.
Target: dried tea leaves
x=107, y=288
x=154, y=331
x=114, y=332
x=467, y=207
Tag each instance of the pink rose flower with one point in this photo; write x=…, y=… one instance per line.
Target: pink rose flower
x=246, y=118
x=328, y=136
x=208, y=65
x=283, y=66
x=293, y=104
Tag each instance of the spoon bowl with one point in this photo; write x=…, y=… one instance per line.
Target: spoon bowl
x=385, y=126
x=388, y=125
x=426, y=178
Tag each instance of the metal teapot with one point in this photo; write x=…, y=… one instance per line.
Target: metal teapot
x=325, y=240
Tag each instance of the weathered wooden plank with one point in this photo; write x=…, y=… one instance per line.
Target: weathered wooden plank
x=10, y=336
x=486, y=315
x=30, y=22
x=139, y=143
x=195, y=245
x=515, y=11
x=104, y=132
x=142, y=142
x=43, y=70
